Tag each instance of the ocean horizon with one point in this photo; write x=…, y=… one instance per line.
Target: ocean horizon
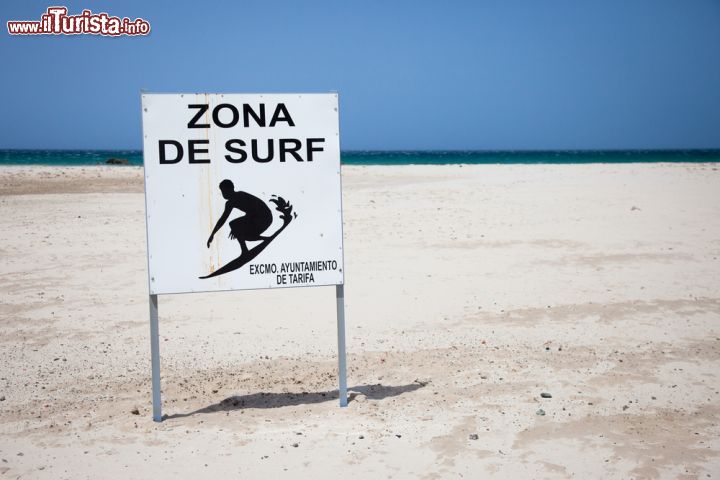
x=393, y=157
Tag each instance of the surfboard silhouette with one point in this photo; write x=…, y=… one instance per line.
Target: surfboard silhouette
x=249, y=228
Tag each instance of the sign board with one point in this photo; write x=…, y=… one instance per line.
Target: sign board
x=242, y=191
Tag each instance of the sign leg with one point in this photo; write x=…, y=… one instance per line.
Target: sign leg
x=155, y=353
x=340, y=298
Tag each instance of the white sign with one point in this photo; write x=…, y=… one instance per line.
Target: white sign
x=242, y=191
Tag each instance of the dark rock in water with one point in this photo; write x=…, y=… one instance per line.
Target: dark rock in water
x=117, y=161
x=474, y=436
x=545, y=395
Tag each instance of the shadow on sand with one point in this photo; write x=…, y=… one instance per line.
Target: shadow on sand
x=276, y=400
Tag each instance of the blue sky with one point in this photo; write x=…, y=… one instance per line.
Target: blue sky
x=411, y=74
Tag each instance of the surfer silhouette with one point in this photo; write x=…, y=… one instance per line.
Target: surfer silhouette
x=251, y=226
x=256, y=220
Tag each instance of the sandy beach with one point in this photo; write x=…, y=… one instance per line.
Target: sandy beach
x=471, y=291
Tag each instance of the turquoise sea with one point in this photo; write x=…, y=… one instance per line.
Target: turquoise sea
x=134, y=157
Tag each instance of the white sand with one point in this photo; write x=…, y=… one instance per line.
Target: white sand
x=470, y=290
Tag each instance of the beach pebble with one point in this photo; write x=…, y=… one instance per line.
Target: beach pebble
x=135, y=411
x=296, y=445
x=473, y=436
x=2, y=398
x=545, y=395
x=540, y=412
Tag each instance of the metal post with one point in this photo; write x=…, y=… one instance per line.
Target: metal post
x=340, y=297
x=155, y=353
